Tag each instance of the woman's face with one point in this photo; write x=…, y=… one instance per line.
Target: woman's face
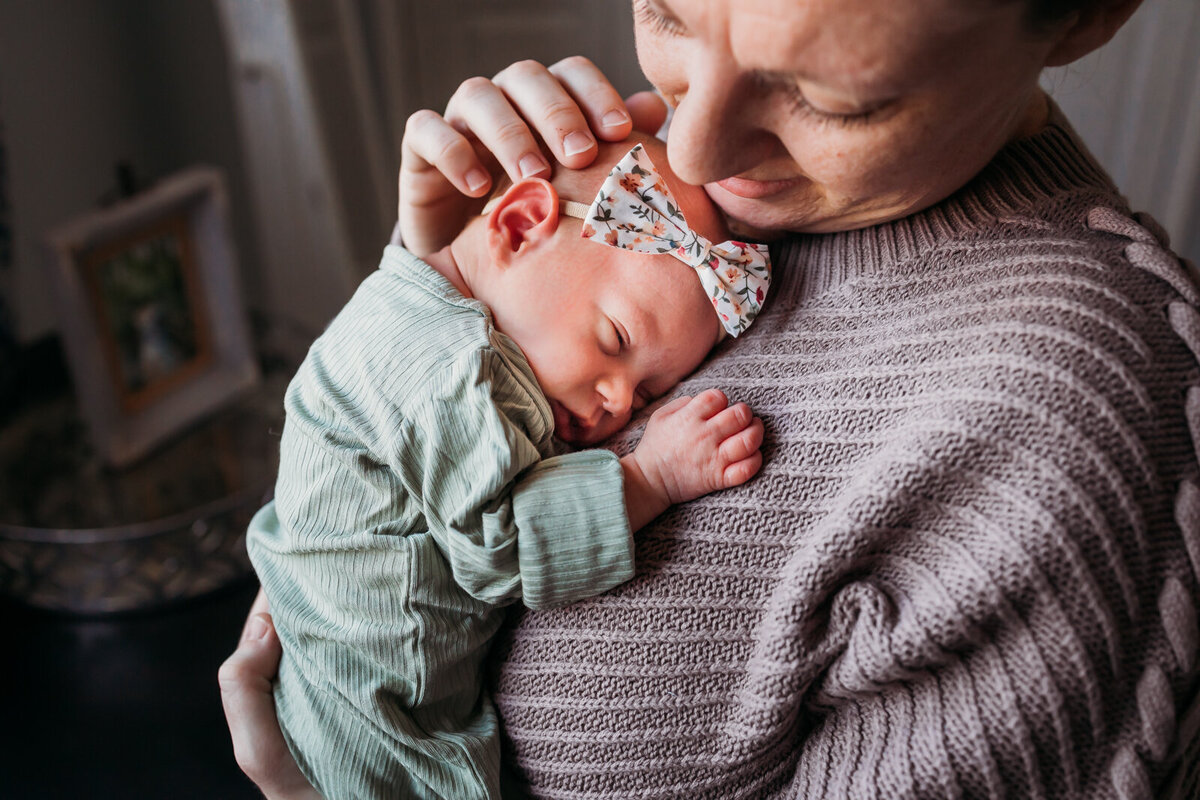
x=826, y=115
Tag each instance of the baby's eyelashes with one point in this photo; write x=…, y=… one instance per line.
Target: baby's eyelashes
x=612, y=342
x=622, y=336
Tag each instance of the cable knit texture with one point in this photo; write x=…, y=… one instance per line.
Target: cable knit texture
x=969, y=565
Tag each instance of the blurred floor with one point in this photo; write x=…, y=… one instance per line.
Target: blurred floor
x=124, y=706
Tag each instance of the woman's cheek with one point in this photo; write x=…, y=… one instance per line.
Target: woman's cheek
x=662, y=62
x=827, y=159
x=856, y=164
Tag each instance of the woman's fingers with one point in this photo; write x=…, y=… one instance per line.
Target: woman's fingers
x=566, y=106
x=431, y=143
x=442, y=181
x=482, y=111
x=599, y=102
x=260, y=606
x=542, y=102
x=648, y=109
x=517, y=122
x=258, y=744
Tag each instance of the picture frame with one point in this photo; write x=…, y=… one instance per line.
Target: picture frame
x=151, y=313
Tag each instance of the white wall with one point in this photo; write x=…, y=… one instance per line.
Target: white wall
x=323, y=89
x=1136, y=102
x=86, y=83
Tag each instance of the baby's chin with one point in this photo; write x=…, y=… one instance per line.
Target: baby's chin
x=593, y=436
x=568, y=429
x=581, y=441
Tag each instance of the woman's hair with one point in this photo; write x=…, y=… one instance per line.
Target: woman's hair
x=1046, y=15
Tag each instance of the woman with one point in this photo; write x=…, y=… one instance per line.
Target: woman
x=965, y=567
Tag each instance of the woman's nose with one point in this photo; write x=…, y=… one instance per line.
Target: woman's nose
x=713, y=132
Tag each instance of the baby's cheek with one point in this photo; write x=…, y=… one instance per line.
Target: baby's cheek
x=702, y=214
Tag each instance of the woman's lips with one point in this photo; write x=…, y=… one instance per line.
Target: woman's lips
x=754, y=190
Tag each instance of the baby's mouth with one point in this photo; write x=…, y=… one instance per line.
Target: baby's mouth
x=567, y=425
x=570, y=427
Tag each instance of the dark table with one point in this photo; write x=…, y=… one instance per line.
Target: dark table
x=120, y=706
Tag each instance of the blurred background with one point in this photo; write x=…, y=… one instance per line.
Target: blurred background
x=123, y=580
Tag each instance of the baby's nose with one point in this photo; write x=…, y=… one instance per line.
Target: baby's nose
x=616, y=393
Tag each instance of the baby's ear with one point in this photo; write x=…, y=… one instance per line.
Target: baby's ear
x=525, y=216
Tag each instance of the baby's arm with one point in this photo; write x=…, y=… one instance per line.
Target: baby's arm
x=692, y=446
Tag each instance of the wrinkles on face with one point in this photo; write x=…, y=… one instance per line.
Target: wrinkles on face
x=857, y=111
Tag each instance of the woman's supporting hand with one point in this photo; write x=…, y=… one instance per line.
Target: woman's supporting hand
x=512, y=124
x=258, y=743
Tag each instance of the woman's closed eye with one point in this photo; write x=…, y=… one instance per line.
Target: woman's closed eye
x=659, y=19
x=801, y=105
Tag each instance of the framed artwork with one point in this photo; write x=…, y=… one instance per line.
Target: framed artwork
x=8, y=333
x=151, y=312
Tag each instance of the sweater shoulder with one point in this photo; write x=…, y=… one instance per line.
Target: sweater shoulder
x=1082, y=274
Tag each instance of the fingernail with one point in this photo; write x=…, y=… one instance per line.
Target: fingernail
x=476, y=179
x=576, y=142
x=257, y=628
x=531, y=165
x=614, y=118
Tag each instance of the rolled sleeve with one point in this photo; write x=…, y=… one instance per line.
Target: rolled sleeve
x=575, y=540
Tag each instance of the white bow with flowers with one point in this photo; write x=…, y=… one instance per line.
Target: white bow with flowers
x=634, y=210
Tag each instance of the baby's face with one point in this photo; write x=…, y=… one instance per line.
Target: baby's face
x=606, y=331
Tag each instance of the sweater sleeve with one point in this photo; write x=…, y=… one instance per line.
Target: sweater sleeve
x=1011, y=610
x=510, y=523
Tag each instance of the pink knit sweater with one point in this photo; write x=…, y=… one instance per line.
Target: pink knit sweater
x=969, y=566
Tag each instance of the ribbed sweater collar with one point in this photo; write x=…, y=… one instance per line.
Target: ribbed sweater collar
x=1024, y=174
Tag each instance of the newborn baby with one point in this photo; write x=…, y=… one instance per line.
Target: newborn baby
x=420, y=490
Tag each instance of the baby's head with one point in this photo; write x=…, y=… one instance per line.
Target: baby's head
x=605, y=329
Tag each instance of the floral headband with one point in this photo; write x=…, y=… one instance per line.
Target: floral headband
x=634, y=210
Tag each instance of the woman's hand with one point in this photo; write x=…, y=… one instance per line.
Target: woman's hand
x=449, y=161
x=258, y=743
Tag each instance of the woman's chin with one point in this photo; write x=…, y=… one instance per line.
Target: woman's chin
x=759, y=220
x=747, y=231
x=770, y=218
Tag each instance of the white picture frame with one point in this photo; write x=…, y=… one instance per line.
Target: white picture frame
x=151, y=313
